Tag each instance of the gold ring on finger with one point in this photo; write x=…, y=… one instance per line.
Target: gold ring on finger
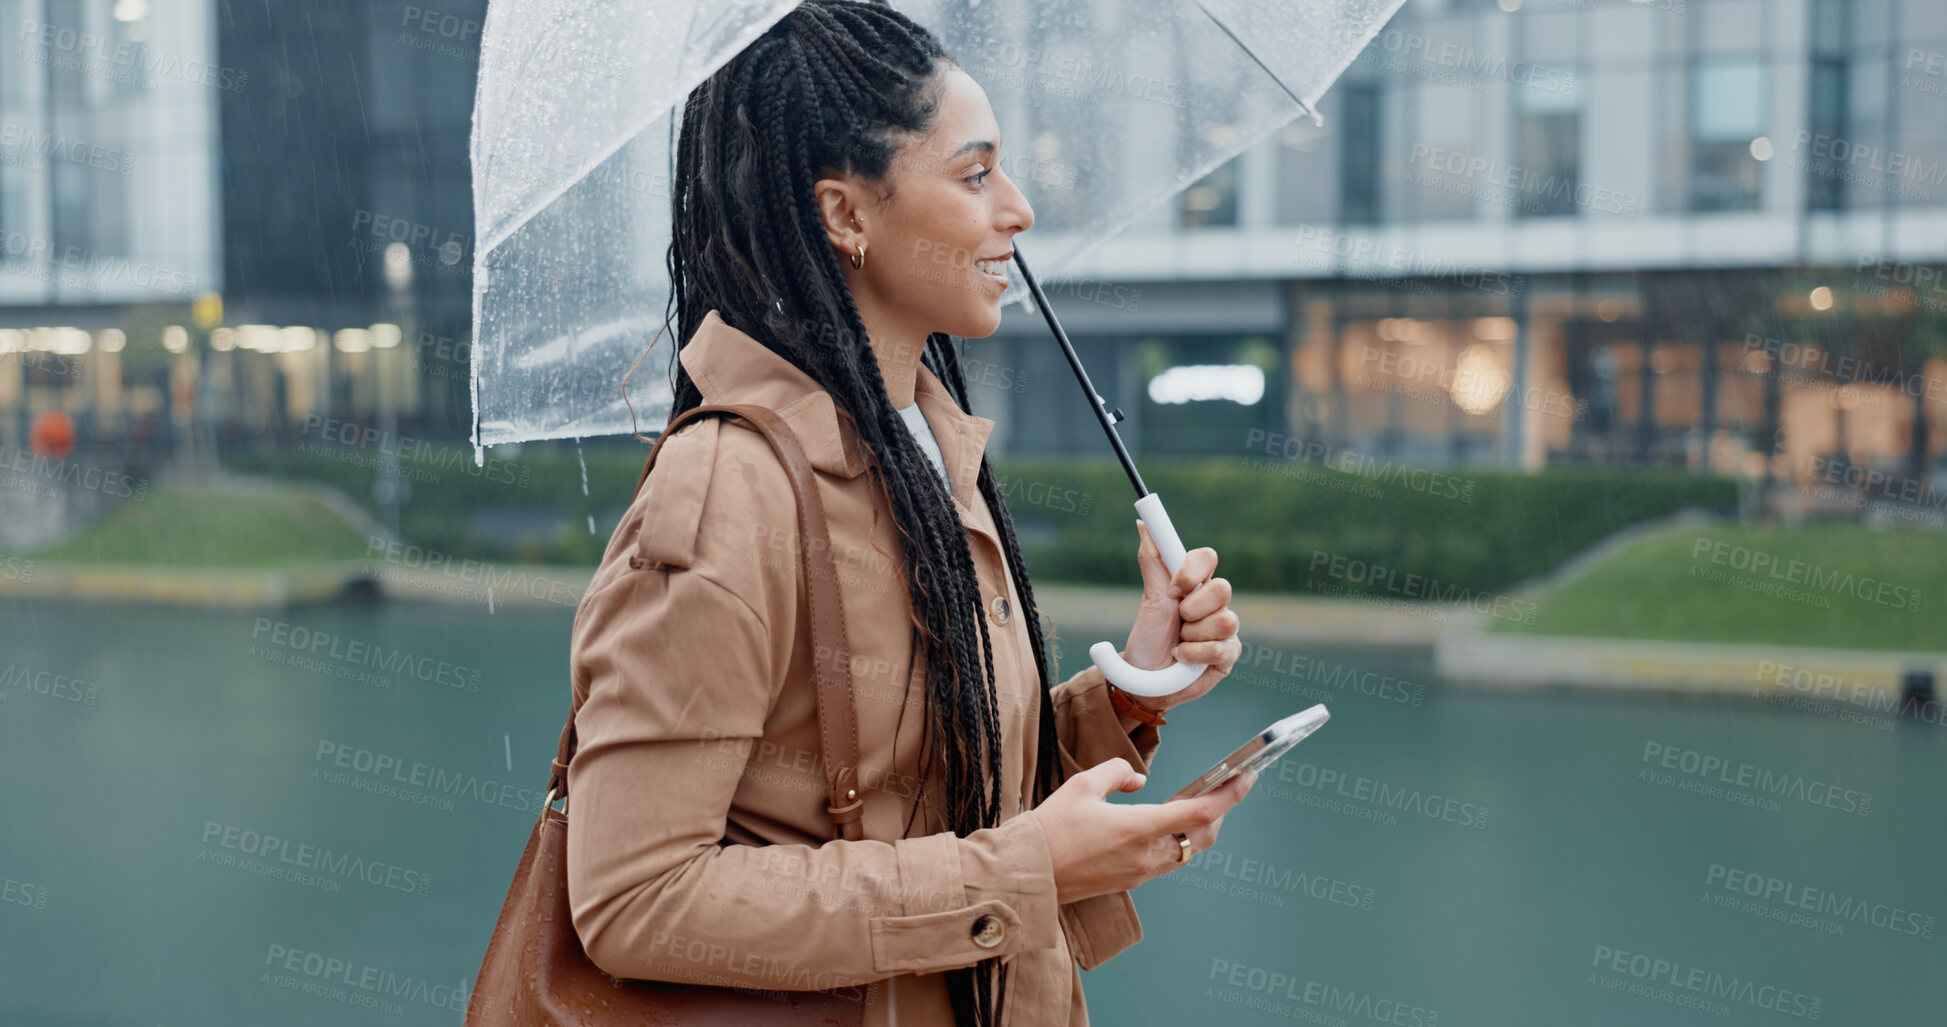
x=1185, y=849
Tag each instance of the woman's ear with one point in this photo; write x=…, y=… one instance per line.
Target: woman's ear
x=838, y=211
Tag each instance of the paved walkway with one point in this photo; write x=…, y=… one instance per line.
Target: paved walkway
x=1464, y=652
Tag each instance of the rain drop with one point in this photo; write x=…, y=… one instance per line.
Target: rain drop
x=490, y=599
x=584, y=465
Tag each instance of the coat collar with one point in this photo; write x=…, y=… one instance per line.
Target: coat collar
x=728, y=366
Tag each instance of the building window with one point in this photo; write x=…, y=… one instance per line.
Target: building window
x=1202, y=393
x=1212, y=201
x=1548, y=138
x=1825, y=188
x=13, y=87
x=129, y=25
x=1726, y=119
x=73, y=196
x=67, y=79
x=1359, y=153
x=1830, y=102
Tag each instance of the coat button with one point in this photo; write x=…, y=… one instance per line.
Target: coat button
x=999, y=611
x=988, y=931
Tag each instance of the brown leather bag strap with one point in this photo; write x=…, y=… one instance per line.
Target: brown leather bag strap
x=831, y=653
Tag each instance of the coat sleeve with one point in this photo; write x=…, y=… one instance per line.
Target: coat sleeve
x=1088, y=732
x=672, y=660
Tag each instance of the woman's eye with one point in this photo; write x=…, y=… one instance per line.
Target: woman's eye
x=976, y=179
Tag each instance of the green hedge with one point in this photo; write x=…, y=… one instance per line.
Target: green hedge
x=1270, y=520
x=544, y=480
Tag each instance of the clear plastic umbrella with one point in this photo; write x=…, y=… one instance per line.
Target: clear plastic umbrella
x=1112, y=107
x=572, y=137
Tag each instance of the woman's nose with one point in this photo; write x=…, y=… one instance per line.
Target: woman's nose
x=1019, y=213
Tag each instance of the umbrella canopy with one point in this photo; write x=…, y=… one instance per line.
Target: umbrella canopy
x=1106, y=110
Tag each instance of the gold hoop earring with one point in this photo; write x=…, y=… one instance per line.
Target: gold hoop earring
x=858, y=262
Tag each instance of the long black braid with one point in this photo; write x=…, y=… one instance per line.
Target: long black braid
x=822, y=91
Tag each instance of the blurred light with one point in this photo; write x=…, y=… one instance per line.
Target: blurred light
x=1822, y=298
x=207, y=311
x=1239, y=383
x=1663, y=360
x=1608, y=310
x=65, y=339
x=223, y=340
x=262, y=338
x=111, y=340
x=131, y=10
x=385, y=335
x=1494, y=329
x=175, y=338
x=1479, y=381
x=398, y=266
x=1849, y=396
x=352, y=340
x=1509, y=6
x=1761, y=148
x=71, y=341
x=1201, y=198
x=12, y=340
x=270, y=338
x=1219, y=133
x=1299, y=135
x=1403, y=329
x=1896, y=300
x=1047, y=146
x=1757, y=361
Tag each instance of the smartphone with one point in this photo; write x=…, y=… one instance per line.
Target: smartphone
x=1261, y=751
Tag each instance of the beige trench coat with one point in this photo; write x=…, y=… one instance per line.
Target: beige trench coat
x=699, y=848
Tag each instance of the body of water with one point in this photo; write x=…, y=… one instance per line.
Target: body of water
x=224, y=818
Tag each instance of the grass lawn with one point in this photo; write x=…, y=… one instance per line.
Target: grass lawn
x=213, y=529
x=1849, y=588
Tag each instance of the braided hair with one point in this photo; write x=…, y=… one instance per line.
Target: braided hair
x=822, y=91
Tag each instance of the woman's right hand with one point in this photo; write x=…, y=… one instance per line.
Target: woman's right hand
x=1099, y=847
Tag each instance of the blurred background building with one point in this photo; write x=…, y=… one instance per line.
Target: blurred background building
x=1700, y=233
x=195, y=238
x=1530, y=231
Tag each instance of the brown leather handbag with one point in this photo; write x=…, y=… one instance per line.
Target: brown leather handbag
x=536, y=972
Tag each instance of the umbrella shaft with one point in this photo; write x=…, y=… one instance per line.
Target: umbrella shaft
x=1081, y=375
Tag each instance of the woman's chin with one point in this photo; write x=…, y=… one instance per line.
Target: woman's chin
x=978, y=323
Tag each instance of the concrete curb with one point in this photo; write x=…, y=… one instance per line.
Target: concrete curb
x=1469, y=656
x=488, y=585
x=183, y=586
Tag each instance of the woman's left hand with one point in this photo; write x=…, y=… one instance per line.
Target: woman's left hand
x=1179, y=620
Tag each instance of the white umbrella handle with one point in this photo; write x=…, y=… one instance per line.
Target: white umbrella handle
x=1136, y=680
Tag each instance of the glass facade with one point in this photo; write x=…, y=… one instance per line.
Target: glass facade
x=1504, y=247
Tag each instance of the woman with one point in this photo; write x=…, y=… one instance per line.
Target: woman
x=700, y=849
